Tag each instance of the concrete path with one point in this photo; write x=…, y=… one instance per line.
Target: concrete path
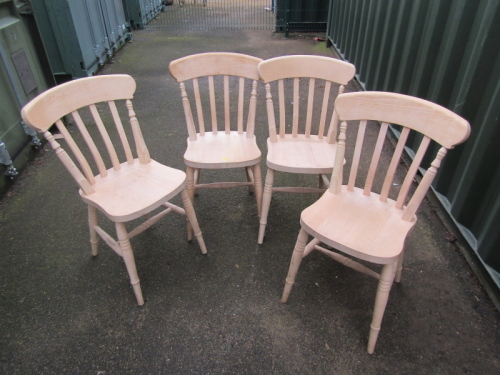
x=64, y=312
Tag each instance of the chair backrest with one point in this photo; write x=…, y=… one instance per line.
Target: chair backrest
x=316, y=73
x=213, y=73
x=432, y=121
x=71, y=98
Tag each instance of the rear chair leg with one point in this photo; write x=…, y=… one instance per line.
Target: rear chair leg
x=190, y=172
x=258, y=187
x=193, y=221
x=250, y=178
x=266, y=202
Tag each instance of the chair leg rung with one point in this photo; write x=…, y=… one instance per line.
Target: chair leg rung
x=348, y=262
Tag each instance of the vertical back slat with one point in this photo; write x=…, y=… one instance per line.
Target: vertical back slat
x=90, y=143
x=213, y=109
x=310, y=105
x=281, y=97
x=270, y=113
x=357, y=155
x=142, y=150
x=187, y=113
x=241, y=101
x=105, y=136
x=87, y=171
x=227, y=116
x=121, y=132
x=324, y=110
x=391, y=171
x=83, y=182
x=199, y=108
x=417, y=160
x=296, y=98
x=375, y=158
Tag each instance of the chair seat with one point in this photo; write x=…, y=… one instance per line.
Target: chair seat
x=299, y=154
x=222, y=150
x=358, y=225
x=134, y=189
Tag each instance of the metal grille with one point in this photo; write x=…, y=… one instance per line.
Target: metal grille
x=216, y=15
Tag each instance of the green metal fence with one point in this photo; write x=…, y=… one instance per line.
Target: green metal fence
x=215, y=15
x=446, y=51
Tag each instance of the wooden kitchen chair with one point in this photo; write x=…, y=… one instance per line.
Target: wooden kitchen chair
x=127, y=190
x=301, y=142
x=370, y=225
x=220, y=138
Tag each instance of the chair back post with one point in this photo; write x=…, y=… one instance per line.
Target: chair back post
x=270, y=114
x=188, y=114
x=142, y=150
x=336, y=179
x=252, y=110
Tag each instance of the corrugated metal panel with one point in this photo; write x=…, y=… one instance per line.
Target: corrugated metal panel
x=81, y=35
x=22, y=77
x=445, y=51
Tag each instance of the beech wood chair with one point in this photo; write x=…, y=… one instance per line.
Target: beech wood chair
x=364, y=224
x=301, y=144
x=127, y=190
x=219, y=147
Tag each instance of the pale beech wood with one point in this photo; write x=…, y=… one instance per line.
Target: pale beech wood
x=324, y=109
x=299, y=144
x=436, y=122
x=301, y=154
x=93, y=223
x=227, y=109
x=199, y=107
x=105, y=136
x=213, y=64
x=127, y=190
x=410, y=175
x=359, y=222
x=391, y=171
x=121, y=131
x=90, y=143
x=231, y=142
x=306, y=66
x=375, y=158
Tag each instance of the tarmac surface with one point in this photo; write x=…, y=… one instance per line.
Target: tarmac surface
x=64, y=312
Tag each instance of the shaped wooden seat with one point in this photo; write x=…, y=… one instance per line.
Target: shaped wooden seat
x=127, y=190
x=229, y=142
x=370, y=225
x=301, y=144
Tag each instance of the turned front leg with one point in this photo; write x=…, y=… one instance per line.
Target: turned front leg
x=128, y=257
x=298, y=254
x=384, y=287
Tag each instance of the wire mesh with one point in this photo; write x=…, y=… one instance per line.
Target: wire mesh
x=216, y=15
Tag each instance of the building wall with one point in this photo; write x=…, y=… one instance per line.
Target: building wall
x=446, y=51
